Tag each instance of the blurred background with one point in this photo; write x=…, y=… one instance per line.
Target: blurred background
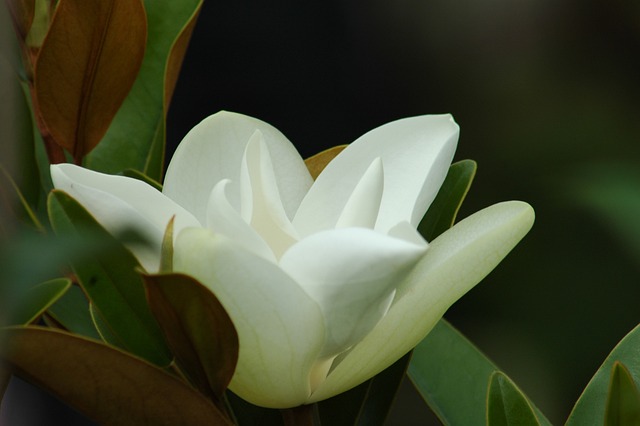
x=547, y=95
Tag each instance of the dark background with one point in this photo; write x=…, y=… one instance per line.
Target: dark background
x=547, y=96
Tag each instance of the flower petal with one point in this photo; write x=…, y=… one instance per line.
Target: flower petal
x=352, y=274
x=224, y=219
x=261, y=205
x=363, y=205
x=455, y=262
x=119, y=202
x=213, y=151
x=280, y=327
x=416, y=153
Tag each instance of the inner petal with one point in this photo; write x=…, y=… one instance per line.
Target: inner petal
x=261, y=205
x=352, y=274
x=224, y=219
x=363, y=205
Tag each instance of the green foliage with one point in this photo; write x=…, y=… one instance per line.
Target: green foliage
x=38, y=299
x=135, y=138
x=604, y=390
x=623, y=401
x=71, y=312
x=451, y=374
x=112, y=284
x=444, y=209
x=506, y=404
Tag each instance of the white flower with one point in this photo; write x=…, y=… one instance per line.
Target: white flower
x=327, y=282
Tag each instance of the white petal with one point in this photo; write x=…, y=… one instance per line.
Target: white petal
x=406, y=231
x=363, y=205
x=261, y=205
x=455, y=262
x=279, y=327
x=119, y=202
x=213, y=151
x=416, y=153
x=224, y=219
x=352, y=274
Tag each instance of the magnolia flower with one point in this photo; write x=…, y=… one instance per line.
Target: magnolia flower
x=327, y=282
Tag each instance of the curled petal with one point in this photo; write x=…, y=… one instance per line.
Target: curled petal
x=280, y=327
x=213, y=151
x=352, y=274
x=224, y=219
x=363, y=205
x=261, y=205
x=119, y=202
x=416, y=153
x=455, y=262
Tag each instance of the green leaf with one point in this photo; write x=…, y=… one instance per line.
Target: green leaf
x=506, y=404
x=198, y=330
x=442, y=212
x=112, y=283
x=107, y=385
x=71, y=312
x=591, y=405
x=135, y=138
x=83, y=73
x=37, y=299
x=10, y=193
x=623, y=401
x=451, y=374
x=16, y=127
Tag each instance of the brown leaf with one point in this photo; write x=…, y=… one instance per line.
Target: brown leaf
x=318, y=162
x=86, y=66
x=197, y=328
x=176, y=56
x=107, y=385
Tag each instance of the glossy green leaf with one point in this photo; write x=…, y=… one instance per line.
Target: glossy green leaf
x=84, y=72
x=623, y=401
x=506, y=404
x=107, y=385
x=442, y=212
x=591, y=405
x=38, y=299
x=15, y=203
x=16, y=127
x=451, y=374
x=135, y=138
x=198, y=330
x=102, y=327
x=112, y=284
x=71, y=312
